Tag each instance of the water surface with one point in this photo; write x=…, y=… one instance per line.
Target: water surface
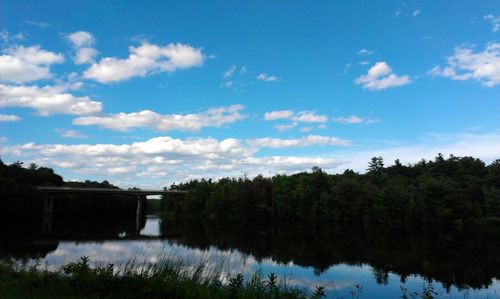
x=339, y=278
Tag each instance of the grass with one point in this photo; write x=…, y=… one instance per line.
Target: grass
x=166, y=279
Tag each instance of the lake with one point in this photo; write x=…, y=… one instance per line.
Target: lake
x=456, y=266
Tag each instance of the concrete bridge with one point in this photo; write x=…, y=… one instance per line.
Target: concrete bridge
x=49, y=200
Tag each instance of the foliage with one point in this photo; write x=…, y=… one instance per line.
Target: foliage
x=165, y=279
x=455, y=192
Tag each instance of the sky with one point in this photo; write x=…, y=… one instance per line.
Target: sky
x=148, y=93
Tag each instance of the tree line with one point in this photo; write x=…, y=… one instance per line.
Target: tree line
x=453, y=191
x=449, y=192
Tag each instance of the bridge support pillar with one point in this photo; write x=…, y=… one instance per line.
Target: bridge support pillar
x=138, y=214
x=48, y=209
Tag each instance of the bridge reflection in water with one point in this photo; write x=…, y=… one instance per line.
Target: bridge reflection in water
x=140, y=194
x=380, y=260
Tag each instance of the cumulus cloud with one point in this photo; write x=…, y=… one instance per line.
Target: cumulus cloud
x=156, y=161
x=278, y=114
x=380, y=76
x=267, y=78
x=47, y=100
x=20, y=64
x=214, y=117
x=354, y=119
x=311, y=140
x=82, y=42
x=81, y=39
x=295, y=118
x=145, y=60
x=70, y=134
x=85, y=55
x=9, y=118
x=495, y=22
x=163, y=159
x=466, y=64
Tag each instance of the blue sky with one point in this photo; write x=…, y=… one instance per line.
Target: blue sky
x=154, y=92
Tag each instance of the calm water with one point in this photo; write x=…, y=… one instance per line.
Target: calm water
x=339, y=279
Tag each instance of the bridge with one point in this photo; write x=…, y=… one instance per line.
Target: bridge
x=81, y=190
x=49, y=201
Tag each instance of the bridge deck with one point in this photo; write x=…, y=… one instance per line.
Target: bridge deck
x=107, y=191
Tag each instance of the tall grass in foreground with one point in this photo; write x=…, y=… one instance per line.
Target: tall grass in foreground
x=168, y=278
x=165, y=279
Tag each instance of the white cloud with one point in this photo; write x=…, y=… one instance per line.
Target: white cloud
x=278, y=114
x=9, y=118
x=267, y=78
x=416, y=13
x=21, y=64
x=364, y=52
x=380, y=76
x=309, y=117
x=82, y=42
x=6, y=37
x=483, y=67
x=214, y=117
x=286, y=127
x=3, y=139
x=354, y=119
x=295, y=118
x=230, y=79
x=145, y=60
x=286, y=164
x=311, y=140
x=47, y=100
x=70, y=133
x=495, y=21
x=229, y=73
x=81, y=39
x=85, y=55
x=162, y=159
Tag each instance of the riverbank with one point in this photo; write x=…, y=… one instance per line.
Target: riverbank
x=166, y=279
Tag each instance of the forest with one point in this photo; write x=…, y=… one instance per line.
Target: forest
x=455, y=192
x=448, y=192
